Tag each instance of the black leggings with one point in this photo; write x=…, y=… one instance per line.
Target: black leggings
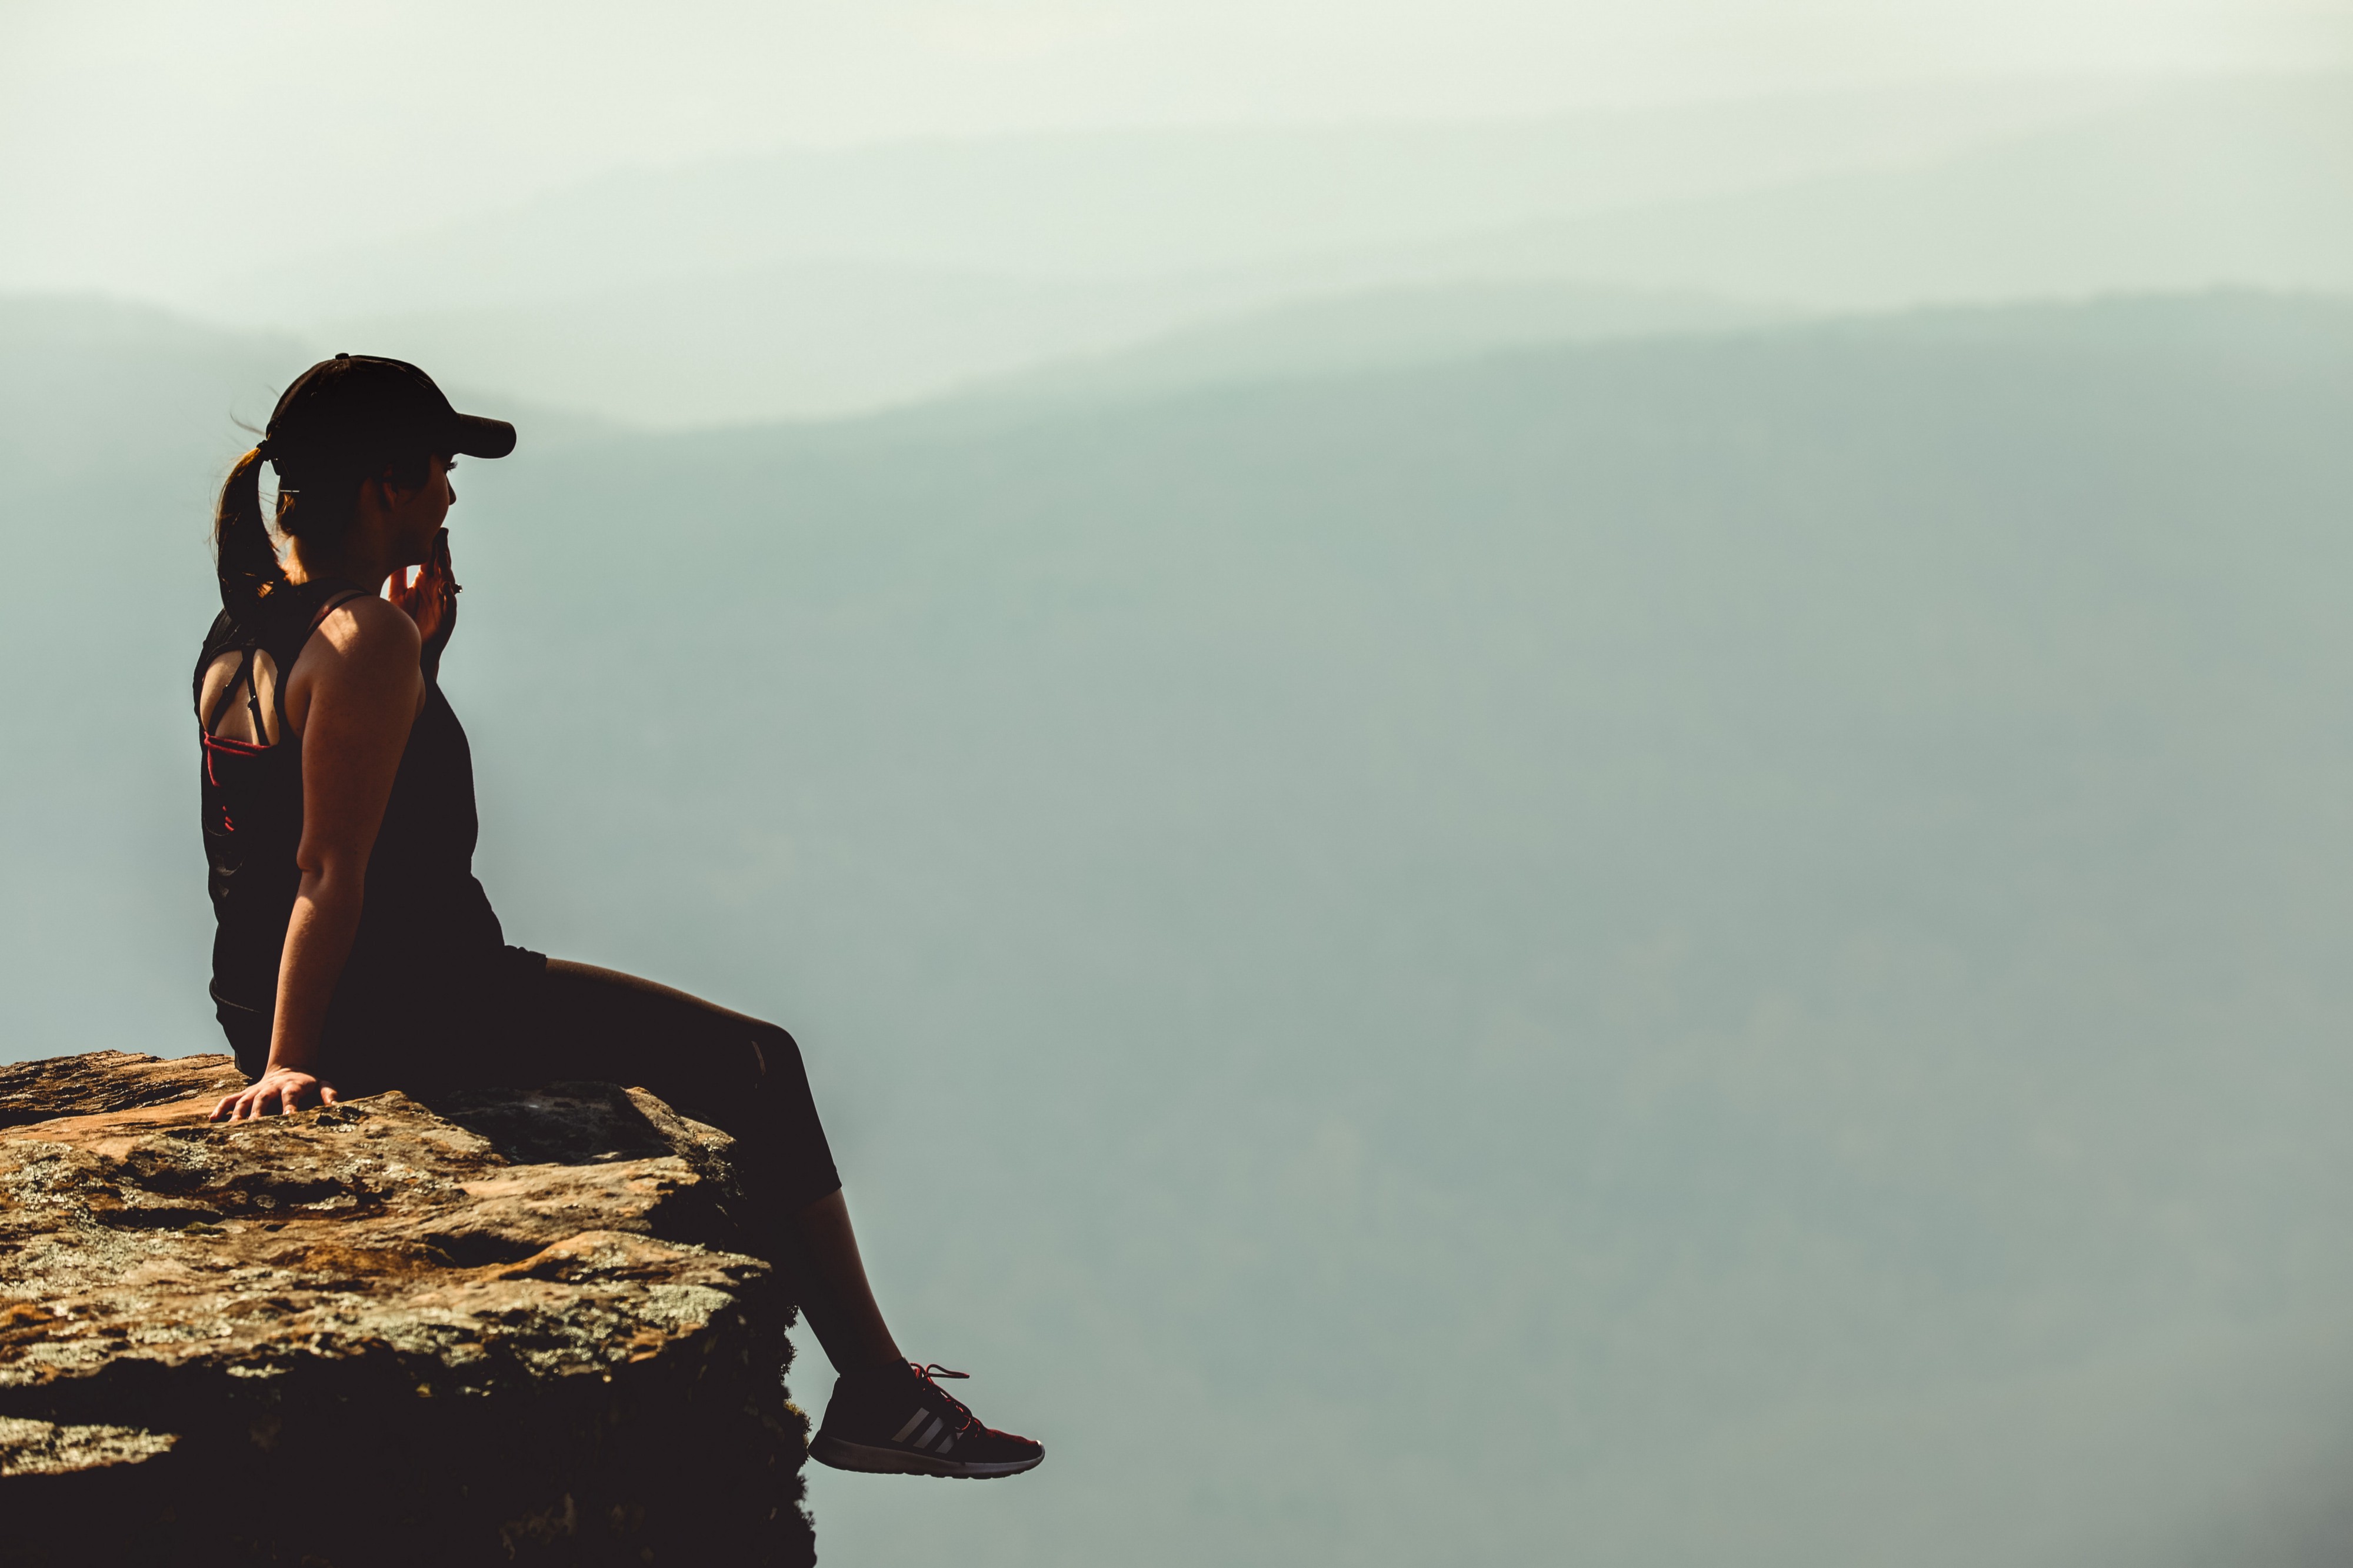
x=540, y=1020
x=544, y=1020
x=741, y=1074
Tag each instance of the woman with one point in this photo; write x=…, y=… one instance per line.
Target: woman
x=355, y=951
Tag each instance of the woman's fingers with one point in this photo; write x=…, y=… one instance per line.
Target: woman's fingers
x=269, y=1097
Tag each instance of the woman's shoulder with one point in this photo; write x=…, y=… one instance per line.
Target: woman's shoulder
x=366, y=628
x=364, y=651
x=338, y=631
x=288, y=612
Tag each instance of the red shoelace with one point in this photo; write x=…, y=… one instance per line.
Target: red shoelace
x=929, y=1373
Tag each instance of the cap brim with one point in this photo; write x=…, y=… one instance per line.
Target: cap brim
x=474, y=437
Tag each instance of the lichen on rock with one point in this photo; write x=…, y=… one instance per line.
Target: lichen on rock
x=480, y=1326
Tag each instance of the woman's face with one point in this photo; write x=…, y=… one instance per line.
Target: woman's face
x=418, y=514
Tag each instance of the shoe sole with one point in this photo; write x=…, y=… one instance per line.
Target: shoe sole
x=841, y=1456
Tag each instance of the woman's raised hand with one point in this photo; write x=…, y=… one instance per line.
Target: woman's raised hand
x=281, y=1090
x=432, y=601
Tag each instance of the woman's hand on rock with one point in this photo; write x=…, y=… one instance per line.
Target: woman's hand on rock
x=279, y=1090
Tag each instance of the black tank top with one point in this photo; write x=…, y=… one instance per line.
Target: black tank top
x=426, y=929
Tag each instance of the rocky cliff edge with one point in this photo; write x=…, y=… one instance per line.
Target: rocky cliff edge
x=494, y=1326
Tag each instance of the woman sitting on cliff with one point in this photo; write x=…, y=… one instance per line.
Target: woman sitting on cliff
x=354, y=949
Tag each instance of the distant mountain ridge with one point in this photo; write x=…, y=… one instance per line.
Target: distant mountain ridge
x=811, y=342
x=1137, y=204
x=2212, y=186
x=230, y=378
x=1377, y=328
x=816, y=283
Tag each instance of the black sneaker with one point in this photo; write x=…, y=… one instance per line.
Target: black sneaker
x=894, y=1420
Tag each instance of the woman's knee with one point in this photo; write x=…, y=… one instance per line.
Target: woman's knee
x=777, y=1055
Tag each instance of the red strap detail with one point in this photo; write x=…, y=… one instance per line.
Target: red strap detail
x=230, y=744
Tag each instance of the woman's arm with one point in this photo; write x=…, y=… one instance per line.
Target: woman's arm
x=352, y=697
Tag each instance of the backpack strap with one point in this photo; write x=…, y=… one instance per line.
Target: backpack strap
x=243, y=676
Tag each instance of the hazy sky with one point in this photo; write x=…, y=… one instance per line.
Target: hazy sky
x=125, y=121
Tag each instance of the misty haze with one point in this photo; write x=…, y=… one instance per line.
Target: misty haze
x=1612, y=833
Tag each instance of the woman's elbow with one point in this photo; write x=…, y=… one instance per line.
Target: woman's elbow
x=329, y=875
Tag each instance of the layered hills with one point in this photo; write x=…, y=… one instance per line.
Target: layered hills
x=825, y=281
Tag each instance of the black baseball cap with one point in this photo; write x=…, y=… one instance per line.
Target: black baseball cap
x=358, y=408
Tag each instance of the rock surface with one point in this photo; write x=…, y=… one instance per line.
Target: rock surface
x=504, y=1326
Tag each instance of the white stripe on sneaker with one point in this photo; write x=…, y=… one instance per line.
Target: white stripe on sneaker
x=913, y=1421
x=930, y=1432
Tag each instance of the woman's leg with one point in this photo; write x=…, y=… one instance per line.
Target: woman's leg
x=744, y=1077
x=829, y=1254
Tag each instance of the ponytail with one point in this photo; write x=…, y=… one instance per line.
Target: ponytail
x=318, y=498
x=247, y=561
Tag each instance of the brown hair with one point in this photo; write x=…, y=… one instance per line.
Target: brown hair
x=317, y=502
